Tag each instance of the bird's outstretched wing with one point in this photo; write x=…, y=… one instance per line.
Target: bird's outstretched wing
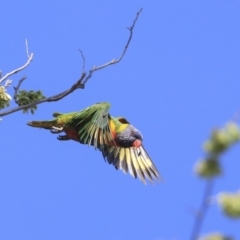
x=92, y=125
x=134, y=161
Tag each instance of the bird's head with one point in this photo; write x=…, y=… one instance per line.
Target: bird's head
x=130, y=137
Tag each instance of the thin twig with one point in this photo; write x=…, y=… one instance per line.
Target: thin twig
x=7, y=83
x=27, y=48
x=18, y=69
x=17, y=88
x=83, y=68
x=201, y=214
x=114, y=61
x=130, y=37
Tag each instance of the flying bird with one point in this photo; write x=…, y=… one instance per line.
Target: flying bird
x=119, y=141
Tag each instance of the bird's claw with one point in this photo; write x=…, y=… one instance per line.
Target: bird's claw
x=63, y=137
x=56, y=129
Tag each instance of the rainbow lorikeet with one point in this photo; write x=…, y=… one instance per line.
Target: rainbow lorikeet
x=119, y=142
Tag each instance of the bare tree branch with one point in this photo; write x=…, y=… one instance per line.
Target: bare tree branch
x=17, y=88
x=30, y=58
x=83, y=68
x=201, y=214
x=7, y=83
x=56, y=97
x=79, y=84
x=114, y=61
x=27, y=48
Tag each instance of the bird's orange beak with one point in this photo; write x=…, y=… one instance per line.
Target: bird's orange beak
x=137, y=143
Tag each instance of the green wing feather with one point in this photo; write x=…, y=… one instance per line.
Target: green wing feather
x=92, y=125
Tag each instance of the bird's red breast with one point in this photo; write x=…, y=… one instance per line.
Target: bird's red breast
x=72, y=134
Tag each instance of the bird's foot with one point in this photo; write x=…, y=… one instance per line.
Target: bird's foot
x=56, y=129
x=63, y=137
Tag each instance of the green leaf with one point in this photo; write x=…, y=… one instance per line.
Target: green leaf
x=28, y=97
x=208, y=168
x=215, y=236
x=233, y=132
x=230, y=204
x=221, y=139
x=218, y=142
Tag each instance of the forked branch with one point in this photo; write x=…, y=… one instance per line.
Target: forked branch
x=30, y=58
x=77, y=85
x=114, y=61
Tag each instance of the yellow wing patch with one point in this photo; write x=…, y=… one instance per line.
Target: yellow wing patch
x=134, y=161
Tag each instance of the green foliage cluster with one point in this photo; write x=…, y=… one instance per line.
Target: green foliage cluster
x=4, y=98
x=28, y=97
x=4, y=103
x=209, y=167
x=230, y=204
x=215, y=236
x=220, y=141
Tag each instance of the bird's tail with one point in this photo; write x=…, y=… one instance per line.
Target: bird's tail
x=42, y=124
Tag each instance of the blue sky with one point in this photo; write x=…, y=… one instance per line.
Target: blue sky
x=178, y=80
